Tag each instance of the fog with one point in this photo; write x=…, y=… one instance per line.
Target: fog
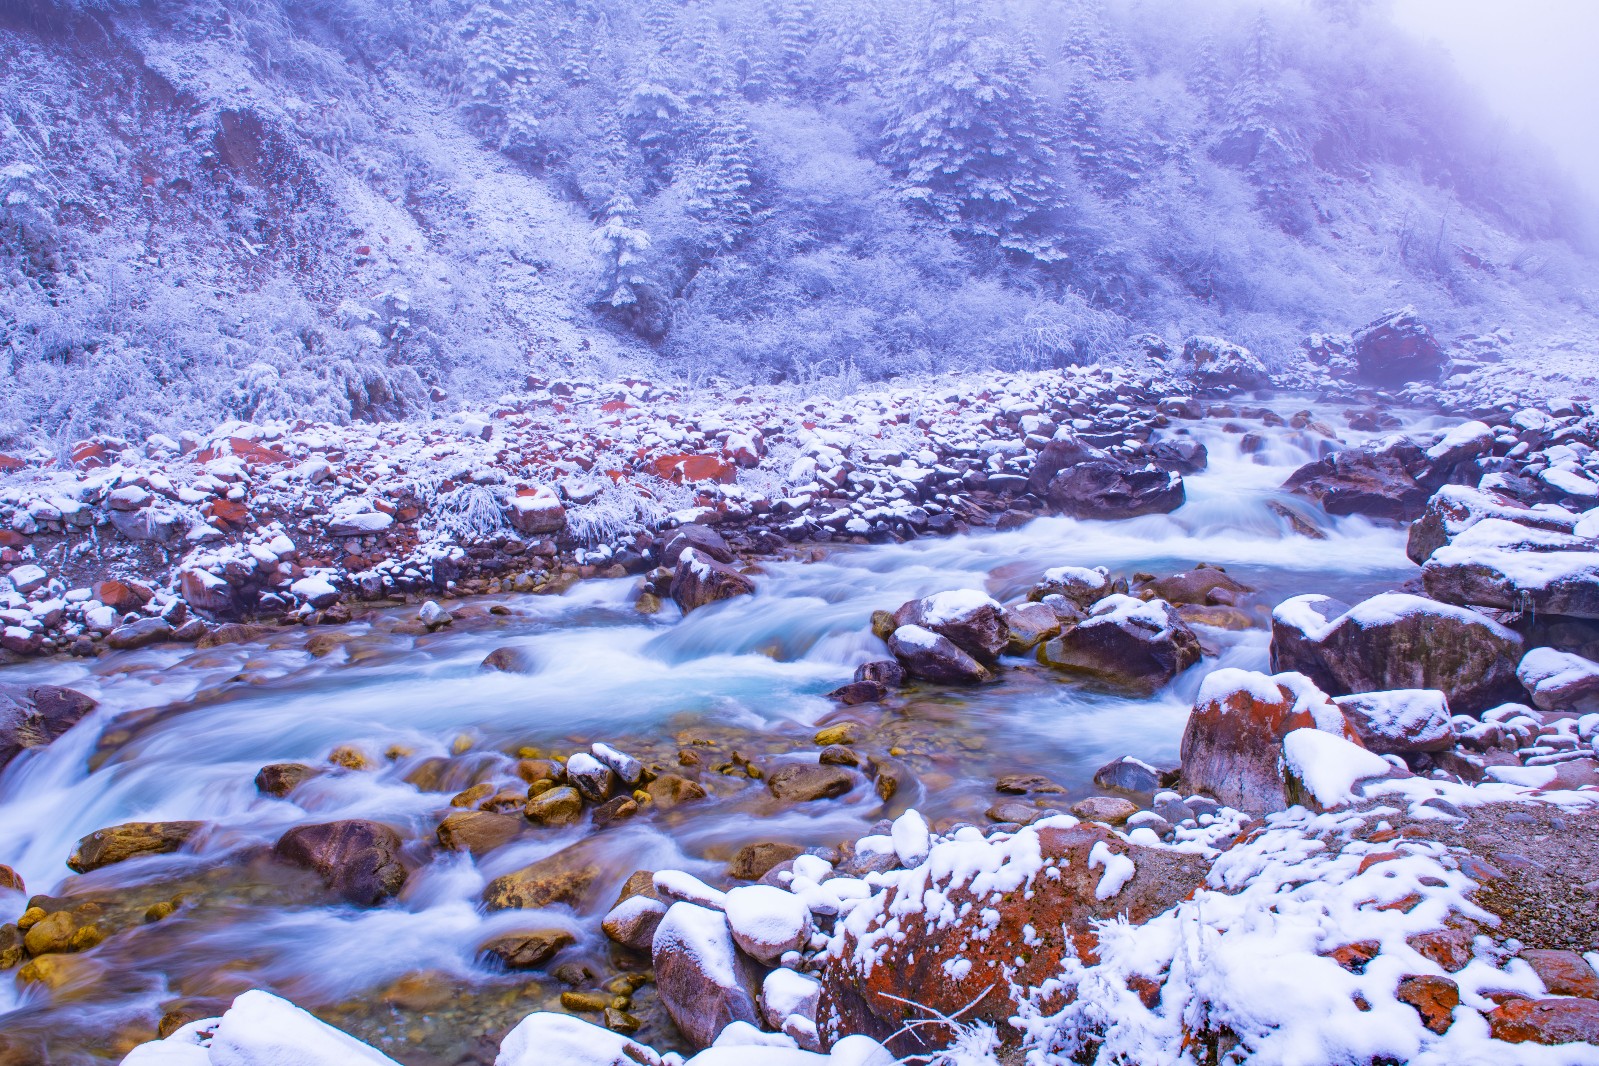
x=1533, y=58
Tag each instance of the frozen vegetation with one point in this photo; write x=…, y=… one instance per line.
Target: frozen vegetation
x=374, y=209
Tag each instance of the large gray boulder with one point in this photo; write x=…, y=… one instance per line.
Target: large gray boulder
x=700, y=580
x=32, y=716
x=704, y=981
x=973, y=621
x=1399, y=641
x=1396, y=349
x=1510, y=566
x=1126, y=643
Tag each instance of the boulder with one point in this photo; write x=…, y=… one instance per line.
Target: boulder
x=700, y=579
x=1126, y=643
x=767, y=921
x=1398, y=641
x=1387, y=478
x=1399, y=722
x=1560, y=681
x=1112, y=810
x=356, y=859
x=633, y=921
x=1113, y=488
x=885, y=672
x=1396, y=349
x=1201, y=585
x=1214, y=363
x=33, y=716
x=130, y=841
x=931, y=657
x=566, y=878
x=1029, y=624
x=973, y=621
x=972, y=965
x=538, y=515
x=1514, y=567
x=804, y=782
x=1062, y=452
x=753, y=861
x=280, y=778
x=555, y=807
x=673, y=790
x=1546, y=1021
x=545, y=1038
x=593, y=779
x=701, y=538
x=1128, y=774
x=478, y=832
x=1232, y=747
x=1453, y=509
x=527, y=951
x=703, y=981
x=1078, y=584
x=144, y=632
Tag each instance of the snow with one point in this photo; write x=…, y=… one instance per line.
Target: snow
x=785, y=992
x=1546, y=673
x=1330, y=766
x=911, y=837
x=1389, y=608
x=1119, y=870
x=766, y=921
x=1472, y=436
x=702, y=935
x=259, y=1029
x=942, y=608
x=916, y=636
x=680, y=885
x=544, y=1038
x=1221, y=683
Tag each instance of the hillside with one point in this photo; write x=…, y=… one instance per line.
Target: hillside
x=360, y=210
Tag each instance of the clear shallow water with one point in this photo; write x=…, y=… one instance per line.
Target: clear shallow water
x=180, y=734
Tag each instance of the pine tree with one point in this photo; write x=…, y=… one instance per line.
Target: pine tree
x=1258, y=133
x=1092, y=47
x=722, y=182
x=1205, y=77
x=504, y=73
x=795, y=21
x=970, y=139
x=623, y=247
x=653, y=117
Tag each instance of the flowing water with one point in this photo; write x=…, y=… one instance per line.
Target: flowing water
x=180, y=734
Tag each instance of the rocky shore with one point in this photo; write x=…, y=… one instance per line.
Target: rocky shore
x=1375, y=850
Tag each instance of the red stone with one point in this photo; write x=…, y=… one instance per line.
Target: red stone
x=1449, y=947
x=121, y=596
x=1546, y=1021
x=251, y=453
x=1563, y=973
x=230, y=513
x=1435, y=999
x=1353, y=957
x=681, y=468
x=88, y=454
x=11, y=462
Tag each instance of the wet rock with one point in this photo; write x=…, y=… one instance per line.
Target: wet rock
x=1398, y=641
x=140, y=634
x=1182, y=454
x=118, y=843
x=1013, y=811
x=527, y=951
x=538, y=515
x=51, y=934
x=1435, y=999
x=627, y=769
x=1399, y=722
x=1563, y=973
x=566, y=878
x=356, y=859
x=973, y=621
x=701, y=580
x=478, y=832
x=1232, y=747
x=1128, y=774
x=1382, y=479
x=838, y=755
x=633, y=921
x=1126, y=643
x=1021, y=784
x=1202, y=585
x=701, y=538
x=280, y=778
x=752, y=861
x=1113, y=488
x=1029, y=624
x=433, y=616
x=703, y=981
x=804, y=782
x=889, y=776
x=673, y=790
x=556, y=807
x=34, y=716
x=1546, y=1021
x=858, y=692
x=593, y=779
x=10, y=880
x=838, y=733
x=1078, y=584
x=932, y=657
x=510, y=660
x=1396, y=349
x=885, y=672
x=1112, y=810
x=614, y=810
x=913, y=977
x=1214, y=363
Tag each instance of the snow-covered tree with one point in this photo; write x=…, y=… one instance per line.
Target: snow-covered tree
x=622, y=246
x=970, y=138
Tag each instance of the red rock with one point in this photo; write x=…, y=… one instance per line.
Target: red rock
x=89, y=455
x=1232, y=747
x=122, y=596
x=1449, y=947
x=1546, y=1021
x=355, y=858
x=681, y=468
x=248, y=451
x=10, y=880
x=1354, y=957
x=230, y=513
x=700, y=580
x=1563, y=973
x=879, y=1001
x=1435, y=999
x=9, y=463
